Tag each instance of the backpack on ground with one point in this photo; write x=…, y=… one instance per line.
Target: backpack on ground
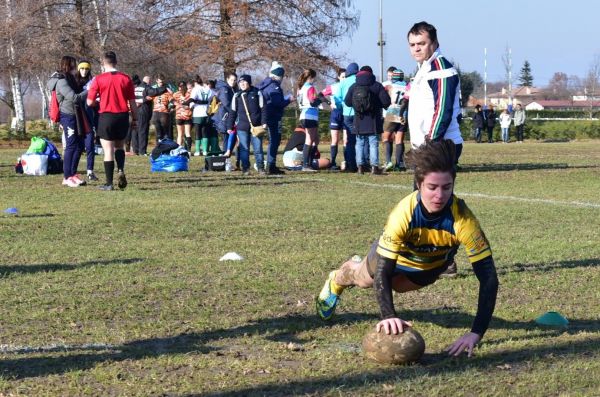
x=363, y=100
x=37, y=146
x=54, y=108
x=55, y=163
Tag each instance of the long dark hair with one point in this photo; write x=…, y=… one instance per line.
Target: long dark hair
x=67, y=64
x=306, y=74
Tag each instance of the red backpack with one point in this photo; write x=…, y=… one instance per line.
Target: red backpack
x=54, y=109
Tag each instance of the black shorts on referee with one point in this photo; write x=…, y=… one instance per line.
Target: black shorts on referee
x=113, y=126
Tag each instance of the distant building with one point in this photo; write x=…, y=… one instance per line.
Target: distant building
x=532, y=98
x=522, y=95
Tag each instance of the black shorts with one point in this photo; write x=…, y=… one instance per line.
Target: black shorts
x=183, y=122
x=309, y=123
x=390, y=126
x=419, y=277
x=113, y=126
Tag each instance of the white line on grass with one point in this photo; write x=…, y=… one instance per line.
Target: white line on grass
x=55, y=347
x=486, y=196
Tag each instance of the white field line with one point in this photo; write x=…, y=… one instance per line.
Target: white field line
x=485, y=196
x=55, y=347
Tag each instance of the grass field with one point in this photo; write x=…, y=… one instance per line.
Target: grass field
x=122, y=293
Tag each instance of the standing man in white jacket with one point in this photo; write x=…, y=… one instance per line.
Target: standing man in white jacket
x=434, y=105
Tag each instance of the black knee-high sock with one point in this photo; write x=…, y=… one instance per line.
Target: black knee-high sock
x=109, y=170
x=399, y=153
x=188, y=143
x=120, y=159
x=388, y=151
x=306, y=155
x=311, y=155
x=334, y=151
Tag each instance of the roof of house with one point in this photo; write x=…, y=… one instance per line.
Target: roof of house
x=517, y=92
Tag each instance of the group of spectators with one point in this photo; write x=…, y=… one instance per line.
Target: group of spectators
x=223, y=115
x=486, y=120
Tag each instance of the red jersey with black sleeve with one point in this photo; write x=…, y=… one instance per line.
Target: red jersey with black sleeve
x=115, y=90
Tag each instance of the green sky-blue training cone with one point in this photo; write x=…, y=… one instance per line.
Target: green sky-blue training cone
x=553, y=319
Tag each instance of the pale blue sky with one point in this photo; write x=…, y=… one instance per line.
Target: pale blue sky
x=554, y=36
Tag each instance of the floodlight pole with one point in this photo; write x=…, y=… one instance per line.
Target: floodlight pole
x=485, y=77
x=510, y=99
x=381, y=43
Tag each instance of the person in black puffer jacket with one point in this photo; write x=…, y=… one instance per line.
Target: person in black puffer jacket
x=478, y=120
x=250, y=98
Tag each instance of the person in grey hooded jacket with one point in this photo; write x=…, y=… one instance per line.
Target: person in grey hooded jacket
x=72, y=118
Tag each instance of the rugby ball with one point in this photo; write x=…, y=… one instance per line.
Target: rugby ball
x=407, y=347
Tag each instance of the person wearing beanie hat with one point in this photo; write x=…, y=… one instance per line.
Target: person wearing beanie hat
x=276, y=71
x=245, y=77
x=397, y=76
x=368, y=123
x=275, y=103
x=395, y=125
x=248, y=110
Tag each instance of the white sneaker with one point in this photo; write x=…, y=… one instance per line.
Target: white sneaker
x=389, y=166
x=70, y=182
x=78, y=180
x=196, y=154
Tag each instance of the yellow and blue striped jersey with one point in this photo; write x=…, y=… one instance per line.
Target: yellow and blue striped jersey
x=418, y=243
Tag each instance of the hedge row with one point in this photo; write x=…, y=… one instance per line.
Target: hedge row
x=534, y=129
x=544, y=130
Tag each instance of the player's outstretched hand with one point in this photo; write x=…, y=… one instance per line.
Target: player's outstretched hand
x=393, y=325
x=465, y=343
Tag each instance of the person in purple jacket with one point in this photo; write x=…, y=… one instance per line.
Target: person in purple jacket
x=275, y=103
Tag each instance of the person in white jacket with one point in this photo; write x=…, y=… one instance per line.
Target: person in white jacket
x=434, y=101
x=200, y=97
x=505, y=120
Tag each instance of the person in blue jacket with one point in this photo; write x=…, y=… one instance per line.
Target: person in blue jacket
x=225, y=91
x=275, y=103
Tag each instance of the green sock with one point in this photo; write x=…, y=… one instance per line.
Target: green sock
x=197, y=145
x=213, y=144
x=204, y=145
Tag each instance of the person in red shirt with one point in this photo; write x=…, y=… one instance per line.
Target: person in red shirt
x=117, y=98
